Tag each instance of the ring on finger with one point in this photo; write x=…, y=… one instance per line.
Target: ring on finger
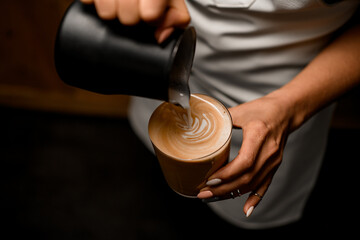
x=258, y=195
x=233, y=195
x=238, y=192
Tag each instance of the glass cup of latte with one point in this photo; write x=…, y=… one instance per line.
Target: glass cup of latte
x=191, y=144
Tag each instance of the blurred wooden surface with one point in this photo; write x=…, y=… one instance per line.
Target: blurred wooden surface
x=27, y=74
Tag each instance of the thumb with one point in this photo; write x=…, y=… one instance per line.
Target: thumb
x=176, y=15
x=161, y=34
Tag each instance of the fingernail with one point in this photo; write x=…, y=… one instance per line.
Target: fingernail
x=213, y=182
x=249, y=211
x=205, y=194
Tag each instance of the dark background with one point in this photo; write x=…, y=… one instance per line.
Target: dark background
x=76, y=177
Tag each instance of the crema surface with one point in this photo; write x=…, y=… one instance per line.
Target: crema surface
x=190, y=136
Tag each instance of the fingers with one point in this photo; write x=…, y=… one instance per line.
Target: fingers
x=257, y=195
x=165, y=14
x=252, y=158
x=253, y=200
x=208, y=196
x=251, y=171
x=244, y=177
x=176, y=15
x=161, y=34
x=253, y=141
x=87, y=1
x=128, y=11
x=106, y=9
x=152, y=11
x=265, y=130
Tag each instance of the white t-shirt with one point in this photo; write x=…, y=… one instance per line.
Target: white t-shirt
x=246, y=49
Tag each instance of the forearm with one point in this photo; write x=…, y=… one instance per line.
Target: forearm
x=328, y=76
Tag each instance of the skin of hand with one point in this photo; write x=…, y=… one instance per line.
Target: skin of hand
x=164, y=14
x=266, y=126
x=267, y=121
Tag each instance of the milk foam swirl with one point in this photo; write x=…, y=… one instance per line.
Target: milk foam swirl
x=177, y=134
x=196, y=128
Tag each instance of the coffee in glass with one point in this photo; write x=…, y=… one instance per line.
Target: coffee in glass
x=191, y=148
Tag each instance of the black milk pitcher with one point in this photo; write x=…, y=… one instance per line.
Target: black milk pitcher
x=107, y=57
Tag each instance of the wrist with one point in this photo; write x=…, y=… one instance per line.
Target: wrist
x=295, y=109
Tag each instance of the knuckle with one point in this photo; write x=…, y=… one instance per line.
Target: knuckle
x=184, y=18
x=246, y=179
x=274, y=148
x=128, y=18
x=248, y=162
x=260, y=129
x=258, y=124
x=150, y=15
x=228, y=173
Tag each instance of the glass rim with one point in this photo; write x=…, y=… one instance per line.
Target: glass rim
x=205, y=157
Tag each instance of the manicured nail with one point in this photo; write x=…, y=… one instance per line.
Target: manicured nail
x=249, y=211
x=205, y=194
x=213, y=182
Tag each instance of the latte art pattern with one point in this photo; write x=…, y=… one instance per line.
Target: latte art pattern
x=197, y=128
x=178, y=133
